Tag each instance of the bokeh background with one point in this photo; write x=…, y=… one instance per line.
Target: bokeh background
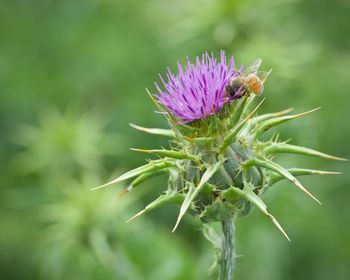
x=73, y=76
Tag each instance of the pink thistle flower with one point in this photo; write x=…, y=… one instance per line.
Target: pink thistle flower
x=199, y=90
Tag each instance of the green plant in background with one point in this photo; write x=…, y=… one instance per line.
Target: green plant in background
x=78, y=232
x=84, y=237
x=62, y=143
x=62, y=153
x=218, y=164
x=82, y=234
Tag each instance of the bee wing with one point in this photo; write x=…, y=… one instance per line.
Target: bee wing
x=253, y=67
x=263, y=75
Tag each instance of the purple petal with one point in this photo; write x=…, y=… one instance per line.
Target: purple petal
x=198, y=90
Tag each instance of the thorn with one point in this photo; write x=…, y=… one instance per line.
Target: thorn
x=256, y=108
x=137, y=127
x=277, y=224
x=138, y=150
x=135, y=216
x=286, y=111
x=337, y=158
x=134, y=125
x=300, y=186
x=285, y=173
x=104, y=185
x=330, y=173
x=311, y=111
x=305, y=113
x=177, y=223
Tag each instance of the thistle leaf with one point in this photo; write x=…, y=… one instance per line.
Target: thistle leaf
x=140, y=179
x=200, y=140
x=190, y=195
x=172, y=198
x=237, y=128
x=299, y=172
x=257, y=201
x=266, y=125
x=237, y=112
x=247, y=105
x=168, y=153
x=293, y=149
x=280, y=170
x=157, y=131
x=248, y=194
x=193, y=192
x=265, y=117
x=150, y=167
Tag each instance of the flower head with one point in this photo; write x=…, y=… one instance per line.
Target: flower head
x=199, y=90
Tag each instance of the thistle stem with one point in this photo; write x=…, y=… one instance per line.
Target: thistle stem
x=227, y=250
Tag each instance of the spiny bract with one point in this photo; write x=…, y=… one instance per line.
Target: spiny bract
x=218, y=166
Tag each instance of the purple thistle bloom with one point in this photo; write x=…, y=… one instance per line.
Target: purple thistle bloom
x=199, y=90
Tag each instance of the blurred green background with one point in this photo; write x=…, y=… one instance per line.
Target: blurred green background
x=73, y=75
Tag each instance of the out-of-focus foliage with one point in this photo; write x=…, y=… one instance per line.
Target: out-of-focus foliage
x=72, y=76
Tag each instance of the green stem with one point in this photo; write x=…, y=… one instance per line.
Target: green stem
x=227, y=250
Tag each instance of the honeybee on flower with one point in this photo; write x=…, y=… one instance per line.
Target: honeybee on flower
x=250, y=81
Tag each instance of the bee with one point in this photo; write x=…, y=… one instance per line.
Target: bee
x=249, y=81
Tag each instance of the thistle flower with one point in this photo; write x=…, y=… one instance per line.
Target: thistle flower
x=218, y=165
x=199, y=90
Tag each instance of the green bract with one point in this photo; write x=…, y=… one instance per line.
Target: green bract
x=219, y=167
